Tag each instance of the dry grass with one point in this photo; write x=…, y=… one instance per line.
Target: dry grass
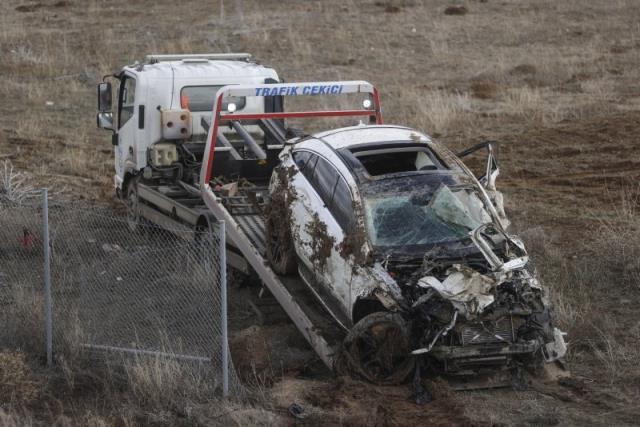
x=167, y=383
x=439, y=111
x=526, y=102
x=130, y=391
x=17, y=385
x=98, y=388
x=617, y=242
x=11, y=419
x=585, y=289
x=23, y=317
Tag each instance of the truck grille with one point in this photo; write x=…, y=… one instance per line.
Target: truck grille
x=487, y=332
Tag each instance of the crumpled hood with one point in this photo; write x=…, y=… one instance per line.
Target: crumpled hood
x=468, y=290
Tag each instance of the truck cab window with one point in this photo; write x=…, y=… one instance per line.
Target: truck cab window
x=127, y=100
x=202, y=98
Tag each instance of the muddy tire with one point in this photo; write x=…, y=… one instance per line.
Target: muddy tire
x=279, y=244
x=377, y=350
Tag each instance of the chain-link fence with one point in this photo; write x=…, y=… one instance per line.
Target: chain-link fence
x=117, y=287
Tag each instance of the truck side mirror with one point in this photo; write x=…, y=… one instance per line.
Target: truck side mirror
x=105, y=116
x=104, y=97
x=105, y=120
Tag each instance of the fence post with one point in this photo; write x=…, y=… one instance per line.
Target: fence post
x=223, y=309
x=47, y=277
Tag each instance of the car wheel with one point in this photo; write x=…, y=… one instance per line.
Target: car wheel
x=377, y=349
x=279, y=244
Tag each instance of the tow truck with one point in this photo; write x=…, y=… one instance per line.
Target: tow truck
x=184, y=175
x=196, y=140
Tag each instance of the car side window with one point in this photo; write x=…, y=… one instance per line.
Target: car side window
x=306, y=162
x=301, y=158
x=126, y=101
x=330, y=186
x=324, y=180
x=342, y=206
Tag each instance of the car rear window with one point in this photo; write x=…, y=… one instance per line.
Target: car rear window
x=395, y=160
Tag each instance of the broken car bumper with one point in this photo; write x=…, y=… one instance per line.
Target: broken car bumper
x=447, y=353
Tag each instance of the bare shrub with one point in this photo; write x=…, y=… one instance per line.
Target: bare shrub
x=14, y=186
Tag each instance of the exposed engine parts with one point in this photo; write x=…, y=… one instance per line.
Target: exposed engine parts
x=469, y=315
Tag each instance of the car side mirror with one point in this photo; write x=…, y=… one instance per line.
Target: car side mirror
x=105, y=120
x=104, y=97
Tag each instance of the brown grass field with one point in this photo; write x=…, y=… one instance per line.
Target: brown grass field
x=557, y=83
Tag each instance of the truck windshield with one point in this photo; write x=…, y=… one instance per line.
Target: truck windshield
x=202, y=98
x=447, y=215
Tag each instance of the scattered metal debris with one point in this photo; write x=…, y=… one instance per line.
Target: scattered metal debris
x=297, y=411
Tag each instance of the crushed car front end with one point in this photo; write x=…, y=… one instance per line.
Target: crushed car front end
x=463, y=288
x=468, y=320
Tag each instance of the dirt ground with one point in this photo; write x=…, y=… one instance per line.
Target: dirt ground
x=557, y=83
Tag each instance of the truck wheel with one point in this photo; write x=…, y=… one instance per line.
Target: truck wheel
x=377, y=349
x=134, y=216
x=279, y=244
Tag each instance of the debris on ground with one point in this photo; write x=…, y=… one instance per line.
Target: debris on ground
x=297, y=411
x=456, y=10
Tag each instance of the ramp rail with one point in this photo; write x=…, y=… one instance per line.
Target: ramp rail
x=245, y=224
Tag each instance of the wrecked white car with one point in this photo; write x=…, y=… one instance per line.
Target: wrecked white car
x=408, y=251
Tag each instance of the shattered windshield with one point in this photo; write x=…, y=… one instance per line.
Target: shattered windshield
x=405, y=219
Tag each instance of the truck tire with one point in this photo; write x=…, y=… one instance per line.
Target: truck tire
x=279, y=244
x=132, y=202
x=377, y=350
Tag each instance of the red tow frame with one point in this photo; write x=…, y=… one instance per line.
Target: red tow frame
x=375, y=113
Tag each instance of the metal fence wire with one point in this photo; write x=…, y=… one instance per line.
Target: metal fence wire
x=117, y=287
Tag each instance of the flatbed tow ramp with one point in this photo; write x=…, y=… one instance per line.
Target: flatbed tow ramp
x=242, y=211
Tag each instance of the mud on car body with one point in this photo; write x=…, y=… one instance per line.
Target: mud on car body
x=408, y=251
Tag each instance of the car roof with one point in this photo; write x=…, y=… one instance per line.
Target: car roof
x=363, y=134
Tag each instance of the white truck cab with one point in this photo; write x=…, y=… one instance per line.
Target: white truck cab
x=161, y=103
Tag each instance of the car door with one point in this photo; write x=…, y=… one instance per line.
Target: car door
x=127, y=124
x=322, y=214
